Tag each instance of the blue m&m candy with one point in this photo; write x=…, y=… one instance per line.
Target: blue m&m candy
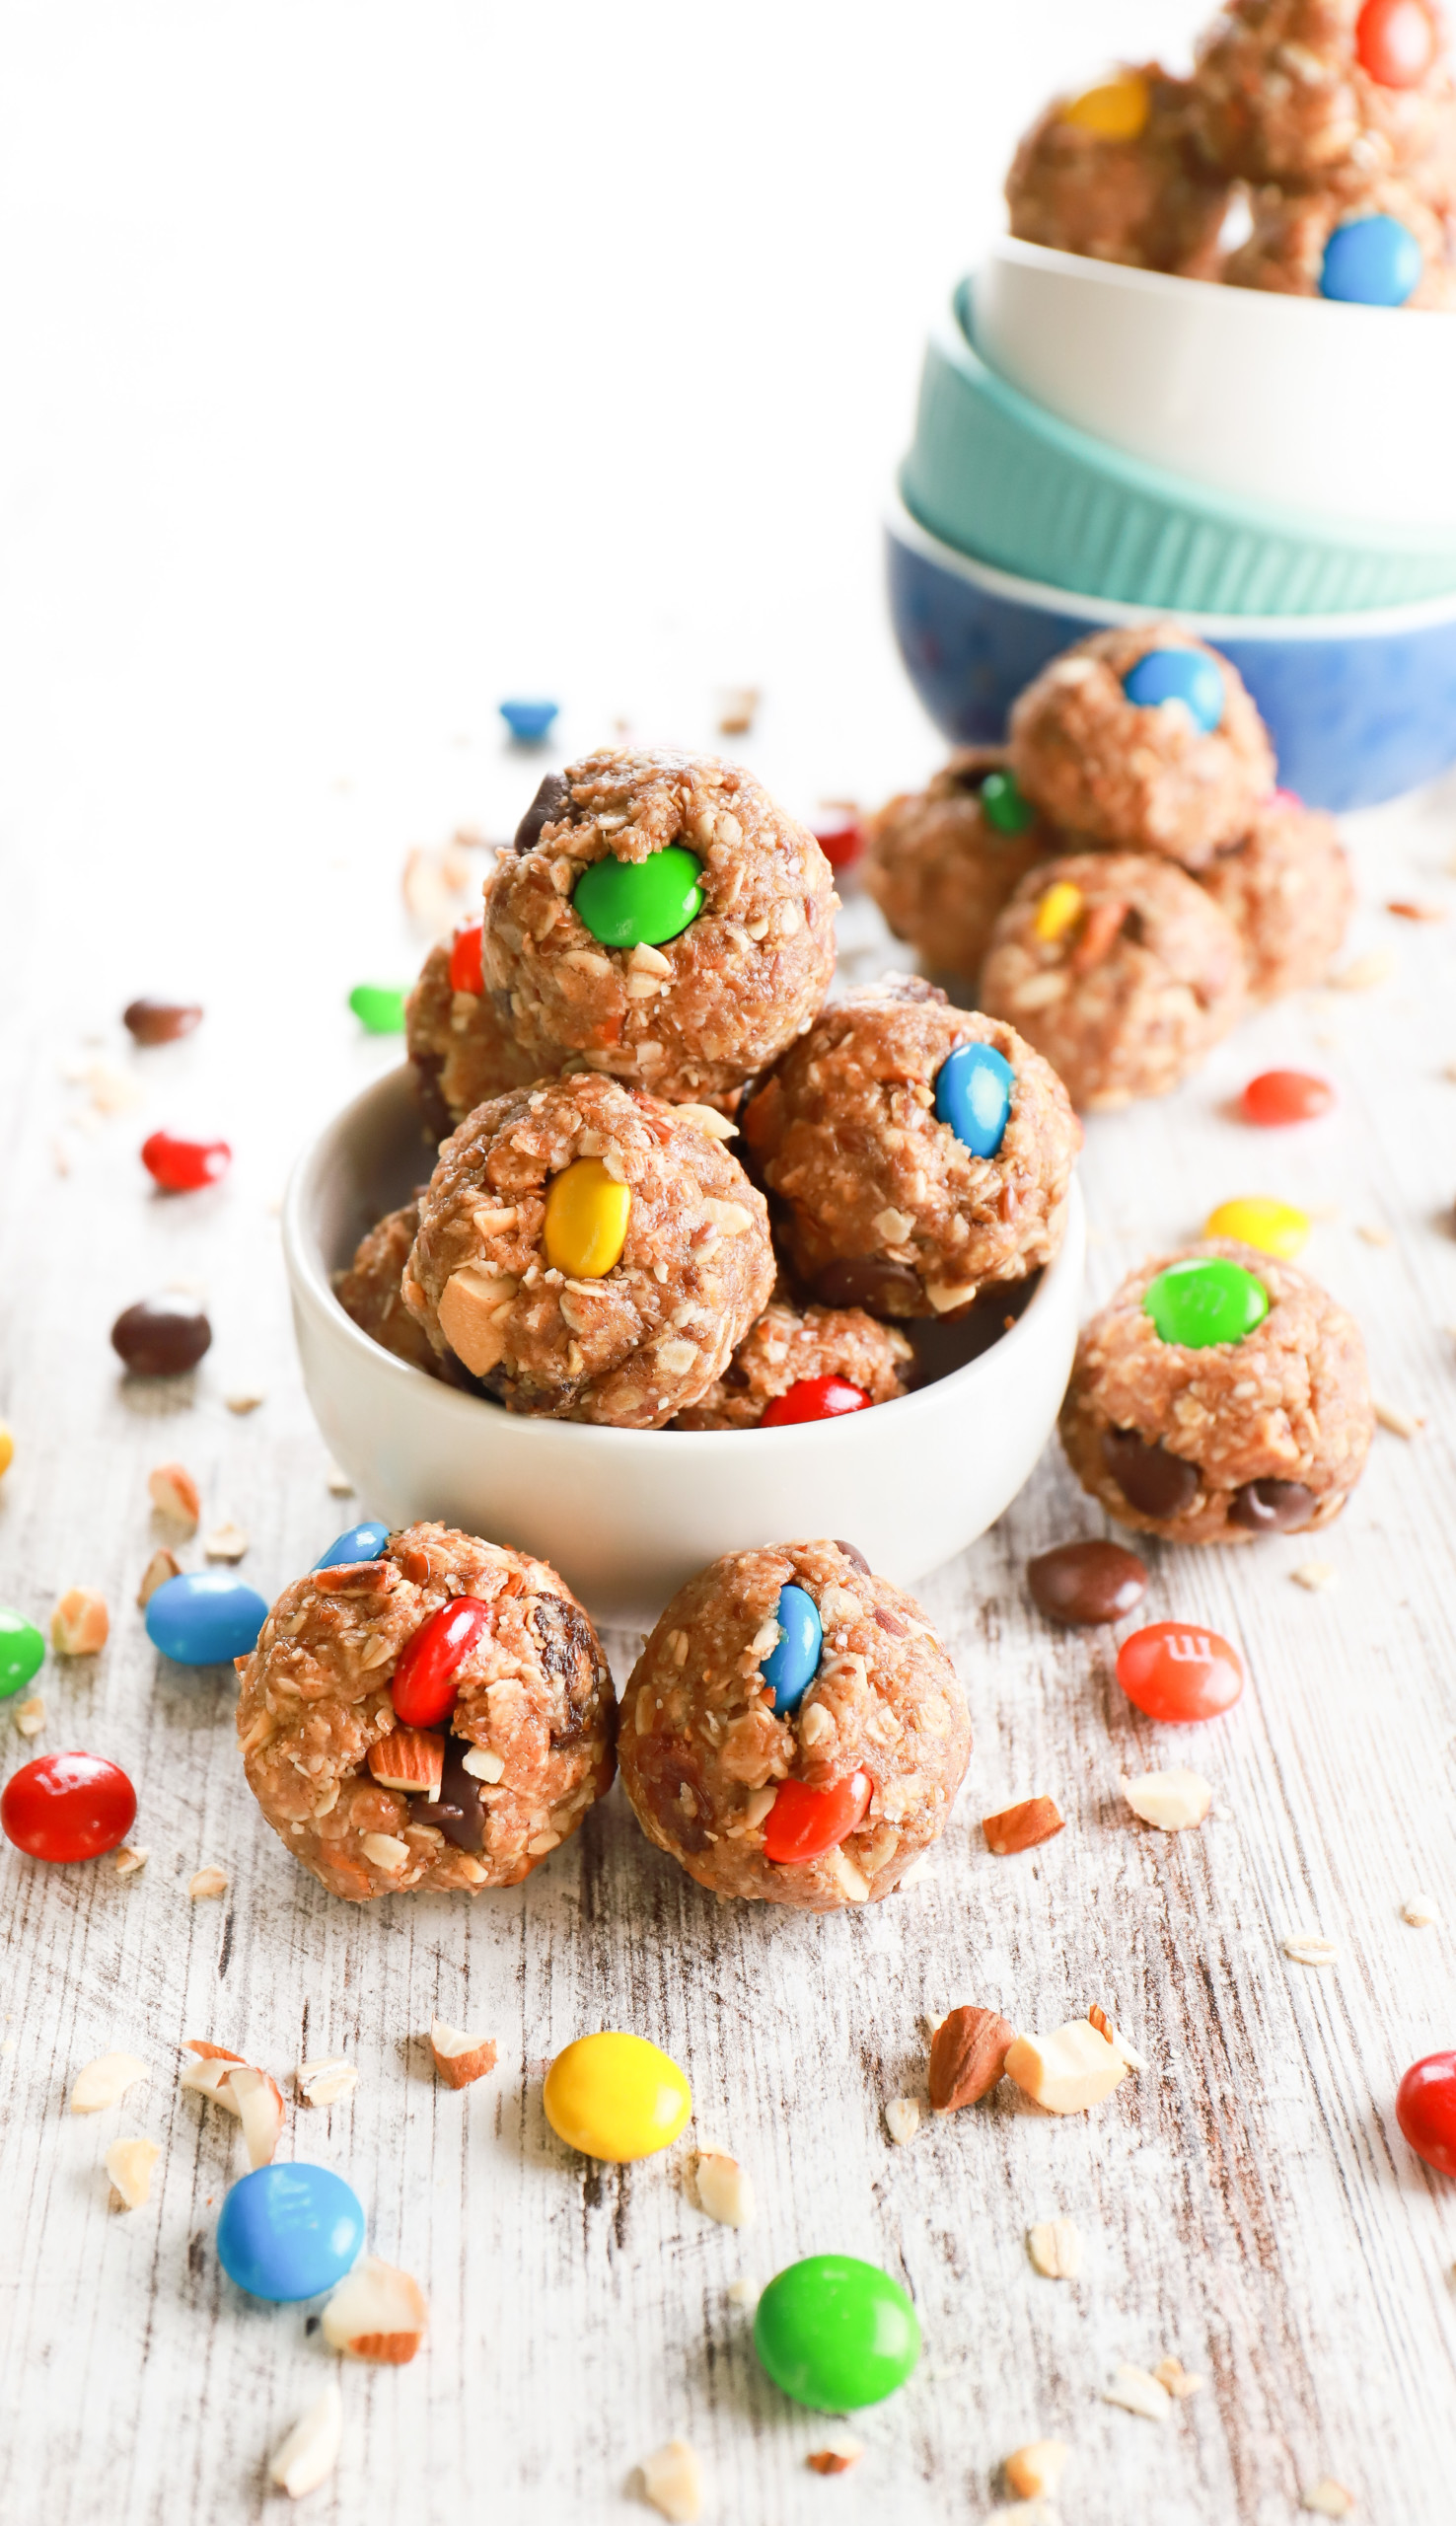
x=289, y=2232
x=1178, y=675
x=528, y=721
x=204, y=1618
x=973, y=1094
x=790, y=1669
x=1371, y=262
x=358, y=1544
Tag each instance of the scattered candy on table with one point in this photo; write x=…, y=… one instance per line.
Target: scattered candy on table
x=1204, y=1300
x=840, y=836
x=1187, y=676
x=425, y=1689
x=162, y=1336
x=1093, y=1581
x=804, y=1824
x=814, y=1399
x=790, y=1669
x=973, y=1094
x=22, y=1651
x=289, y=2232
x=837, y=2333
x=378, y=1007
x=67, y=1807
x=528, y=721
x=616, y=2097
x=1272, y=1227
x=7, y=1447
x=185, y=1167
x=1179, y=1672
x=1371, y=262
x=1425, y=2110
x=1278, y=1096
x=640, y=903
x=160, y=1021
x=587, y=1211
x=204, y=1618
x=357, y=1543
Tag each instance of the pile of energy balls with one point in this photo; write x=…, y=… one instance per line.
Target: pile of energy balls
x=1313, y=151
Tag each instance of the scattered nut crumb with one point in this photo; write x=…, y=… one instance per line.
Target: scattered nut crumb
x=377, y=2313
x=1056, y=2248
x=735, y=715
x=672, y=2479
x=244, y=1398
x=1366, y=973
x=1328, y=2498
x=744, y=2294
x=175, y=1495
x=30, y=1715
x=1303, y=1949
x=326, y=2082
x=1099, y=2018
x=1035, y=2472
x=226, y=1542
x=458, y=2058
x=1022, y=1826
x=79, y=1623
x=164, y=1565
x=105, y=2081
x=1416, y=912
x=1391, y=1416
x=1373, y=1233
x=839, y=2453
x=129, y=1863
x=1135, y=2391
x=1420, y=1911
x=339, y=1482
x=206, y=1881
x=1169, y=1800
x=1171, y=2372
x=309, y=2452
x=902, y=2119
x=129, y=2165
x=1314, y=1575
x=725, y=2191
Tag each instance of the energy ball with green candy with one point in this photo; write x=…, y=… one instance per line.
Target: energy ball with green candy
x=661, y=919
x=942, y=860
x=1220, y=1395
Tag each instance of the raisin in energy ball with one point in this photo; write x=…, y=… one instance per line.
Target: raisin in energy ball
x=941, y=862
x=917, y=1151
x=1220, y=1395
x=1306, y=92
x=793, y=1731
x=1142, y=739
x=662, y=921
x=590, y=1253
x=1120, y=969
x=1381, y=246
x=461, y=1049
x=786, y=1361
x=1113, y=173
x=442, y=1717
x=1287, y=889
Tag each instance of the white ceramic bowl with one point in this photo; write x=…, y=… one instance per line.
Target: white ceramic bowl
x=627, y=1516
x=1344, y=410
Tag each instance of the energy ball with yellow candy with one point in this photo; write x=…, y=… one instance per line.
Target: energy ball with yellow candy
x=590, y=1253
x=1273, y=1228
x=942, y=860
x=616, y=2097
x=1111, y=171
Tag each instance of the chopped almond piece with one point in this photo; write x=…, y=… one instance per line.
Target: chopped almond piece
x=129, y=2165
x=206, y=1882
x=105, y=2081
x=1056, y=2248
x=30, y=1715
x=309, y=2451
x=1021, y=1827
x=1169, y=1800
x=377, y=2313
x=673, y=2481
x=458, y=2058
x=324, y=2083
x=724, y=2192
x=1067, y=2070
x=259, y=2108
x=1135, y=2391
x=408, y=1759
x=1172, y=2374
x=1035, y=2472
x=175, y=1495
x=79, y=1623
x=164, y=1565
x=839, y=2453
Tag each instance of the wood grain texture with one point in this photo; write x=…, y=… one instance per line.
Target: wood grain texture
x=1247, y=2203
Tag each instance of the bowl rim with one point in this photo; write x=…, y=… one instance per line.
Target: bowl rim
x=1246, y=306
x=1039, y=595
x=309, y=1282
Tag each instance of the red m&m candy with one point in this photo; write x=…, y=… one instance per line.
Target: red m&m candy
x=1287, y=1096
x=185, y=1167
x=67, y=1807
x=1425, y=2110
x=1177, y=1670
x=424, y=1691
x=814, y=1399
x=466, y=972
x=839, y=835
x=803, y=1823
x=1396, y=41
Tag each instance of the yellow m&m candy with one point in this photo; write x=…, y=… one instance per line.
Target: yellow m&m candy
x=1274, y=1228
x=1058, y=909
x=1117, y=109
x=586, y=1220
x=617, y=2097
x=6, y=1447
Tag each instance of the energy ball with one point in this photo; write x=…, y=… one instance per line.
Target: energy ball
x=589, y=1253
x=803, y=1363
x=442, y=1717
x=1115, y=172
x=1381, y=246
x=917, y=1151
x=1287, y=889
x=661, y=921
x=1306, y=92
x=942, y=860
x=1142, y=739
x=1120, y=970
x=794, y=1732
x=462, y=1050
x=368, y=1290
x=1221, y=1395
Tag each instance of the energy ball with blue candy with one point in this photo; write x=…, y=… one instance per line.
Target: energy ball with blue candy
x=1384, y=245
x=919, y=1154
x=1143, y=738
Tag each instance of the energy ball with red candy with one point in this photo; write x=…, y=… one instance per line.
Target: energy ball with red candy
x=794, y=1732
x=369, y=1291
x=1311, y=91
x=462, y=1050
x=590, y=1253
x=917, y=1153
x=941, y=862
x=1143, y=739
x=806, y=1365
x=1119, y=970
x=1383, y=245
x=661, y=921
x=1114, y=171
x=1220, y=1395
x=1287, y=889
x=442, y=1717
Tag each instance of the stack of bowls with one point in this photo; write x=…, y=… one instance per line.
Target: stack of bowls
x=1096, y=444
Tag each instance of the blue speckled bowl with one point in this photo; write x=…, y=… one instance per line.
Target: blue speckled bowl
x=1360, y=706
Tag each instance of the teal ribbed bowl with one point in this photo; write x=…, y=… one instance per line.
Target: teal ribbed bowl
x=1002, y=479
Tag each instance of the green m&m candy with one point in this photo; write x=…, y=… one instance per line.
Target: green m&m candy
x=835, y=2332
x=1204, y=1300
x=640, y=903
x=22, y=1651
x=1002, y=804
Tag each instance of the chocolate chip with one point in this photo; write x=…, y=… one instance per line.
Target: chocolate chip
x=160, y=1021
x=457, y=1813
x=868, y=1281
x=1148, y=1477
x=1086, y=1583
x=1270, y=1507
x=161, y=1336
x=550, y=803
x=852, y=1552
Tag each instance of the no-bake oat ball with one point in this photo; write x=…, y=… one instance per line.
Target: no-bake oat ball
x=1142, y=739
x=441, y=1717
x=1382, y=245
x=941, y=862
x=794, y=1732
x=1220, y=1395
x=1304, y=92
x=368, y=1290
x=790, y=1349
x=662, y=921
x=917, y=1151
x=1120, y=969
x=461, y=1049
x=1287, y=889
x=1114, y=171
x=590, y=1253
